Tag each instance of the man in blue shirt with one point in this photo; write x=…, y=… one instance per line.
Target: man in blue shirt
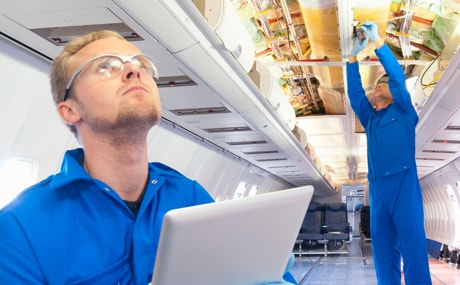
x=397, y=223
x=98, y=220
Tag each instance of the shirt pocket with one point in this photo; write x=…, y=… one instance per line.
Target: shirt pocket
x=395, y=170
x=388, y=130
x=118, y=273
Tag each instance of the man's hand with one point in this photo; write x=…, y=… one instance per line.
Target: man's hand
x=358, y=46
x=371, y=30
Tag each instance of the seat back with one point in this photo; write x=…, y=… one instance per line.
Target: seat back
x=314, y=218
x=335, y=217
x=365, y=224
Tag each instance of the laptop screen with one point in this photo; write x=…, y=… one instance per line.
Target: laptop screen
x=243, y=241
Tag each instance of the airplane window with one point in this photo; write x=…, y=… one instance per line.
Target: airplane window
x=253, y=190
x=240, y=190
x=15, y=175
x=455, y=210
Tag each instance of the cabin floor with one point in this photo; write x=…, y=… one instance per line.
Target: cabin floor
x=354, y=264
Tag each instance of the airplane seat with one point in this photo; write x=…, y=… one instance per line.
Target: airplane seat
x=365, y=224
x=454, y=258
x=310, y=231
x=336, y=222
x=445, y=253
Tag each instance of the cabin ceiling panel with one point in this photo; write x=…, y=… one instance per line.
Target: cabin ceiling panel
x=166, y=63
x=434, y=155
x=453, y=122
x=448, y=135
x=269, y=157
x=432, y=163
x=46, y=25
x=262, y=150
x=44, y=17
x=248, y=139
x=448, y=147
x=427, y=128
x=189, y=97
x=228, y=122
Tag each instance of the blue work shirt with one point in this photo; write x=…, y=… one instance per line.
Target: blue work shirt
x=390, y=132
x=73, y=229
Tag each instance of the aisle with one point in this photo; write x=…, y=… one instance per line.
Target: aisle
x=357, y=268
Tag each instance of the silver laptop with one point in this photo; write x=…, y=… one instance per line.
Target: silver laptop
x=245, y=241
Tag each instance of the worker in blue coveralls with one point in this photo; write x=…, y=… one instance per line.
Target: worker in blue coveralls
x=397, y=222
x=98, y=220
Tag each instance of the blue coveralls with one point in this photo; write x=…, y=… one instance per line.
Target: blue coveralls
x=397, y=219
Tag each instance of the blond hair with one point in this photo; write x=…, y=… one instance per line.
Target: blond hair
x=59, y=76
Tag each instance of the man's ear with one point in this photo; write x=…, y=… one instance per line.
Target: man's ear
x=68, y=112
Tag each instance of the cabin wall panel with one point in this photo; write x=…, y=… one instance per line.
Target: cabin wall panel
x=219, y=172
x=28, y=121
x=441, y=196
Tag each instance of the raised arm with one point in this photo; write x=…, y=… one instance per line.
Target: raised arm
x=397, y=82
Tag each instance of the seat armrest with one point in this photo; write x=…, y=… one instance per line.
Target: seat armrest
x=324, y=229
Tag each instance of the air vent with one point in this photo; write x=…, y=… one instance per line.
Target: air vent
x=429, y=159
x=424, y=167
x=282, y=166
x=453, y=128
x=446, y=141
x=200, y=111
x=228, y=129
x=245, y=143
x=271, y=159
x=62, y=35
x=260, y=152
x=439, y=151
x=175, y=81
x=291, y=176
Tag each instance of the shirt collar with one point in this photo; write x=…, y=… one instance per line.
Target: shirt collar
x=71, y=169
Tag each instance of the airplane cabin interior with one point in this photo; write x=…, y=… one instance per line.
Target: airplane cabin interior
x=254, y=99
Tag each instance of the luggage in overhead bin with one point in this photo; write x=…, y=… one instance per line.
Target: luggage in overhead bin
x=321, y=22
x=365, y=225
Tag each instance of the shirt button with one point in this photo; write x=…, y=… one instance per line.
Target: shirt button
x=154, y=181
